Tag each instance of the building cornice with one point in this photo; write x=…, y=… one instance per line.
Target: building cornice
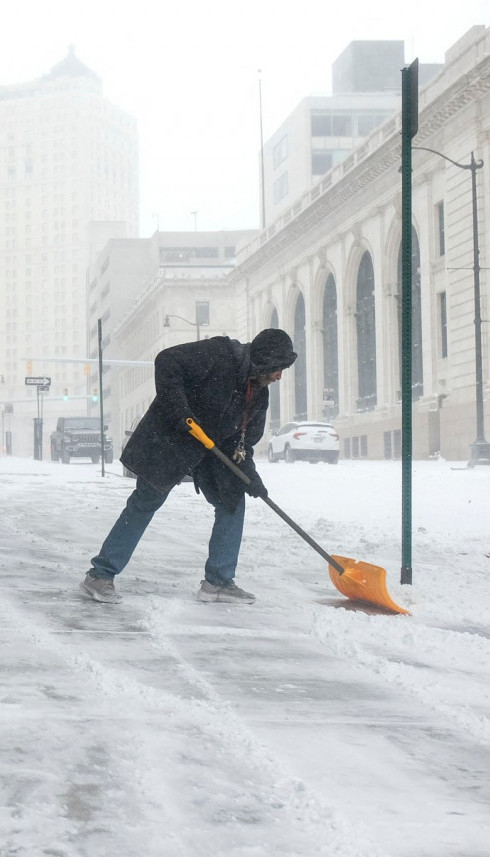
x=381, y=152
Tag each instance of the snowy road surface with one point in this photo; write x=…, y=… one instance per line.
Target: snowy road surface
x=163, y=727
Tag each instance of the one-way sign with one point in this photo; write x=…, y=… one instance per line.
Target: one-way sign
x=38, y=382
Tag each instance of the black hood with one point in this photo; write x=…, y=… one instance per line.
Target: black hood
x=271, y=349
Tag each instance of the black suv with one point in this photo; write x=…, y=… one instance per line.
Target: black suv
x=79, y=437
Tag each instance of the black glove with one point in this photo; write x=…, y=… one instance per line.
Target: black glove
x=256, y=487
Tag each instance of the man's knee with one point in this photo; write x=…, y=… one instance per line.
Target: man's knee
x=146, y=499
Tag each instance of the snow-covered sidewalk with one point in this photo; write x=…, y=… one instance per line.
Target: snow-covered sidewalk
x=297, y=726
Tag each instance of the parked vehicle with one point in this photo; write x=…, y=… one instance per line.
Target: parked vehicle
x=310, y=441
x=79, y=437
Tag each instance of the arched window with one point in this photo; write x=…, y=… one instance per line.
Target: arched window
x=330, y=351
x=417, y=359
x=300, y=401
x=275, y=389
x=366, y=336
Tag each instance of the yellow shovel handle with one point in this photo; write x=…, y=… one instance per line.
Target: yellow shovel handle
x=197, y=432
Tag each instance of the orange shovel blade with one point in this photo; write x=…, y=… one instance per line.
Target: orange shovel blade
x=362, y=581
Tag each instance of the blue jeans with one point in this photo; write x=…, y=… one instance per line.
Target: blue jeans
x=118, y=547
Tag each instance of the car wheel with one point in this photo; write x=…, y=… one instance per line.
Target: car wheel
x=270, y=455
x=54, y=454
x=108, y=457
x=65, y=456
x=332, y=457
x=95, y=459
x=289, y=455
x=314, y=460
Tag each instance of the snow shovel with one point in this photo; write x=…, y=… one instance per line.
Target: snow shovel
x=359, y=581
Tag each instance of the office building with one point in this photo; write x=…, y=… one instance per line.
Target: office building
x=68, y=157
x=323, y=130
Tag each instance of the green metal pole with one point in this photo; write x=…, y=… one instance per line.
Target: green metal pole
x=409, y=129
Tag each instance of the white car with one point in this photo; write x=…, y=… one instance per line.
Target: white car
x=310, y=441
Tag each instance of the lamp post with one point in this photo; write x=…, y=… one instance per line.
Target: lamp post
x=195, y=324
x=480, y=449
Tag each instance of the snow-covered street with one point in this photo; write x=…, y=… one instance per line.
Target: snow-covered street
x=295, y=727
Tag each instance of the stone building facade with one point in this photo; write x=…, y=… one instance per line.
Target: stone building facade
x=329, y=272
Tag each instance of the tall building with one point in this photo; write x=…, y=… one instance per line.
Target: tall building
x=323, y=130
x=68, y=157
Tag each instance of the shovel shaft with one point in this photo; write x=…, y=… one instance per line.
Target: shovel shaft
x=303, y=535
x=275, y=508
x=198, y=433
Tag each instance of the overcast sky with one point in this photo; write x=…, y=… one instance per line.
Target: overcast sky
x=188, y=71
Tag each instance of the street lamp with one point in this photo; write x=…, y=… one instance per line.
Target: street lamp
x=196, y=324
x=480, y=449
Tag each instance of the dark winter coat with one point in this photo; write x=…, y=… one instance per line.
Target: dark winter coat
x=206, y=380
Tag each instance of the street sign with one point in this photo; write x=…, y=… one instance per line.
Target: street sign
x=44, y=388
x=38, y=382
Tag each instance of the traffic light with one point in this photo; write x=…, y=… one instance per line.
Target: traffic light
x=29, y=367
x=86, y=369
x=65, y=394
x=95, y=396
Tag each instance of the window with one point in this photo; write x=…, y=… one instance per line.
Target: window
x=365, y=125
x=441, y=230
x=330, y=350
x=280, y=151
x=274, y=390
x=281, y=188
x=321, y=125
x=366, y=336
x=300, y=373
x=443, y=322
x=331, y=125
x=206, y=252
x=341, y=126
x=185, y=255
x=321, y=162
